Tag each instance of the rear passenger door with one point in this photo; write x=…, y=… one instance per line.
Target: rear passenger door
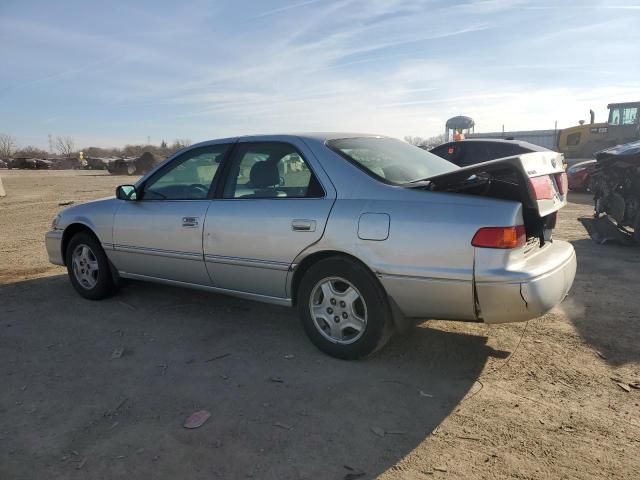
x=274, y=203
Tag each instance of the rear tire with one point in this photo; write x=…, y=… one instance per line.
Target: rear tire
x=88, y=267
x=344, y=309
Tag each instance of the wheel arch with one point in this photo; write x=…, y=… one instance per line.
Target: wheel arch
x=69, y=232
x=307, y=262
x=402, y=324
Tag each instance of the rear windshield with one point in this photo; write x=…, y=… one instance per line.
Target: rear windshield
x=390, y=160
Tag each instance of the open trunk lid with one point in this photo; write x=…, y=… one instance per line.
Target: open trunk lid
x=536, y=179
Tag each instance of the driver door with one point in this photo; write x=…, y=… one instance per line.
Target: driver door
x=160, y=234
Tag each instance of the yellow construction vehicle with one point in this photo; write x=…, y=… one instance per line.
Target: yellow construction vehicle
x=583, y=140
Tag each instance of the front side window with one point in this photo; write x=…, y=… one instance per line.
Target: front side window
x=390, y=160
x=629, y=116
x=188, y=177
x=270, y=170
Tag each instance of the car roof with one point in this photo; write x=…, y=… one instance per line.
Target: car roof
x=316, y=136
x=322, y=136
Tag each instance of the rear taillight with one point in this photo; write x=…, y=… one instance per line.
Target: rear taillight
x=500, y=237
x=562, y=182
x=542, y=187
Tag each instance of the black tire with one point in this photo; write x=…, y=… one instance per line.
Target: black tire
x=104, y=284
x=379, y=324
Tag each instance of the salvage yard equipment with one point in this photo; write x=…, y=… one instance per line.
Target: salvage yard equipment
x=583, y=140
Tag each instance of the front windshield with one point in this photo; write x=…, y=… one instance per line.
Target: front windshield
x=390, y=160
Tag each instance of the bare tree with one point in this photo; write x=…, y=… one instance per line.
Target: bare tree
x=64, y=145
x=181, y=143
x=7, y=145
x=429, y=143
x=426, y=143
x=30, y=152
x=417, y=141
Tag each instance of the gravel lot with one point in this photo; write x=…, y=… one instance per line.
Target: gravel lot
x=449, y=400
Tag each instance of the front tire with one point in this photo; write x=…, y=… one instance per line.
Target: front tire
x=88, y=267
x=343, y=309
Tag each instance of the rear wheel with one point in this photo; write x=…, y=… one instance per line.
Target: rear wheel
x=88, y=267
x=343, y=309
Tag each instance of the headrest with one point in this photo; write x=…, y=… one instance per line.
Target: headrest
x=263, y=175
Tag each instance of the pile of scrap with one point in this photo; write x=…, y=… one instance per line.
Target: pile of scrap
x=99, y=163
x=134, y=166
x=67, y=163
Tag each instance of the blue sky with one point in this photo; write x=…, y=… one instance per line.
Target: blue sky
x=116, y=72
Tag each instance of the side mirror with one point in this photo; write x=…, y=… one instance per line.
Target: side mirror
x=127, y=192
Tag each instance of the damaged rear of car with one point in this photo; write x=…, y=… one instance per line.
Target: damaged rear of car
x=473, y=243
x=517, y=265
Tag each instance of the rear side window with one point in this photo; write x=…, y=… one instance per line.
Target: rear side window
x=270, y=170
x=390, y=160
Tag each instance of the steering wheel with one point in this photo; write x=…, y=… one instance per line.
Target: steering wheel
x=199, y=188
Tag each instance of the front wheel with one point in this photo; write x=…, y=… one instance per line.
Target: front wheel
x=88, y=267
x=343, y=309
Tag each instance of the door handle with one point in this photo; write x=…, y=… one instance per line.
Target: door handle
x=189, y=221
x=302, y=225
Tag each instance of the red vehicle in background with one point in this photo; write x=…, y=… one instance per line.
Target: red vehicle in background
x=579, y=175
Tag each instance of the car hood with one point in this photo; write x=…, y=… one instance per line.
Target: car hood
x=627, y=151
x=82, y=208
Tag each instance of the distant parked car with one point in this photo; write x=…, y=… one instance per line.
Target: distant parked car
x=3, y=164
x=478, y=150
x=73, y=163
x=363, y=234
x=31, y=164
x=579, y=175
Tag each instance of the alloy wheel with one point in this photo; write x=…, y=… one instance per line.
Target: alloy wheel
x=338, y=310
x=85, y=266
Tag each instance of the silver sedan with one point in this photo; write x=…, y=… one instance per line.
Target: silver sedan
x=363, y=234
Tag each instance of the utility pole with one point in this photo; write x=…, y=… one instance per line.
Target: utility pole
x=50, y=143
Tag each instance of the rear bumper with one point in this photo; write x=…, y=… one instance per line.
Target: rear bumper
x=53, y=242
x=530, y=293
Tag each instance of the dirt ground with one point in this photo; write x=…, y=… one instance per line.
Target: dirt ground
x=449, y=400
